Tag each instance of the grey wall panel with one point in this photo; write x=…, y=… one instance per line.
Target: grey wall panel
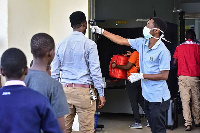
x=129, y=9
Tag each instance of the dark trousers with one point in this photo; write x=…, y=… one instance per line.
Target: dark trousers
x=156, y=115
x=135, y=96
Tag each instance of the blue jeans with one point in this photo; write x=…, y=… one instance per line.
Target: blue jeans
x=156, y=115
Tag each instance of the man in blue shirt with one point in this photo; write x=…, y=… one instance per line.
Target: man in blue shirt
x=154, y=60
x=22, y=109
x=77, y=57
x=0, y=80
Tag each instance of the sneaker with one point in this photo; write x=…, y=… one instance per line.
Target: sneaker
x=197, y=125
x=136, y=126
x=188, y=128
x=147, y=125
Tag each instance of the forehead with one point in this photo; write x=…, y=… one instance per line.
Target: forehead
x=150, y=23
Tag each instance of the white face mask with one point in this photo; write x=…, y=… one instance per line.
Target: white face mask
x=146, y=33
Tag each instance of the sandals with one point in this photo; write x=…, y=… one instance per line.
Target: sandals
x=188, y=128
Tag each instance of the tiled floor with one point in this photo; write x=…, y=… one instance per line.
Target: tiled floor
x=119, y=123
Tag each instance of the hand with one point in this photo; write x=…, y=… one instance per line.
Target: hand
x=102, y=101
x=96, y=29
x=113, y=65
x=128, y=53
x=135, y=77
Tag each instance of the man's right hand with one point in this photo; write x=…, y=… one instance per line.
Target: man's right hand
x=102, y=101
x=96, y=29
x=113, y=65
x=128, y=53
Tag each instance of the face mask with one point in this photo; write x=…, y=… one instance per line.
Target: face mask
x=146, y=33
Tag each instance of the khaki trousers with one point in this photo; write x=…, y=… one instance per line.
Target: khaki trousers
x=189, y=90
x=79, y=102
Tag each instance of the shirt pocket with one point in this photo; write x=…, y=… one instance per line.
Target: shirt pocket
x=152, y=64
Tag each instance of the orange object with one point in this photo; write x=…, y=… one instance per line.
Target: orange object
x=116, y=72
x=134, y=58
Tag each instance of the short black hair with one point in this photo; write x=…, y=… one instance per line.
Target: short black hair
x=159, y=23
x=41, y=43
x=77, y=18
x=190, y=34
x=13, y=63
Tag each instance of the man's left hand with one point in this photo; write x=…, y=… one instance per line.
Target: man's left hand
x=113, y=65
x=102, y=101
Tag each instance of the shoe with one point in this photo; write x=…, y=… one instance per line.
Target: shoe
x=197, y=125
x=188, y=128
x=136, y=126
x=147, y=124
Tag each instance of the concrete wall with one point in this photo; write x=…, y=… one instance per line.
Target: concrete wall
x=3, y=25
x=21, y=19
x=3, y=29
x=26, y=18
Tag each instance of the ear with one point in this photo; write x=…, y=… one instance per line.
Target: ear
x=2, y=73
x=26, y=71
x=52, y=53
x=84, y=24
x=157, y=30
x=49, y=53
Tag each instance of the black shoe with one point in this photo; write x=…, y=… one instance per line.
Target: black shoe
x=197, y=125
x=188, y=128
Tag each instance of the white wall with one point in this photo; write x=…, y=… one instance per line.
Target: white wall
x=21, y=19
x=60, y=11
x=26, y=18
x=3, y=29
x=3, y=26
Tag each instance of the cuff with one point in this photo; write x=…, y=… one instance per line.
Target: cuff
x=101, y=92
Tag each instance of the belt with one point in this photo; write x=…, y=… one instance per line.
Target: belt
x=78, y=85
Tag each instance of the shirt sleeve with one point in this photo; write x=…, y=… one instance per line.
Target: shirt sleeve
x=95, y=70
x=133, y=57
x=49, y=121
x=55, y=65
x=164, y=60
x=136, y=43
x=59, y=101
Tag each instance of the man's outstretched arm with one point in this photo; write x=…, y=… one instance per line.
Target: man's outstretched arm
x=115, y=38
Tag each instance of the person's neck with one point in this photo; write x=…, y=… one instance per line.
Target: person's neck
x=78, y=29
x=39, y=64
x=20, y=79
x=190, y=39
x=152, y=42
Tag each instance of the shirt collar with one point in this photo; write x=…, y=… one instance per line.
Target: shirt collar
x=189, y=40
x=77, y=33
x=155, y=45
x=14, y=82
